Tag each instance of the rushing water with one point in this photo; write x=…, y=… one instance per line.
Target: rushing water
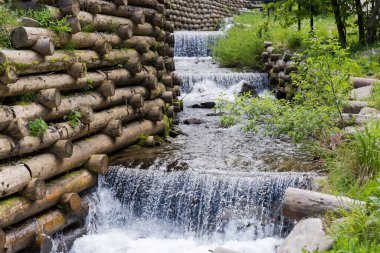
x=209, y=187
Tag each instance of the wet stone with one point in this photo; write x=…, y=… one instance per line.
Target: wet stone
x=193, y=121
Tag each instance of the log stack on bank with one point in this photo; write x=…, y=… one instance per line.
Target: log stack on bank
x=71, y=98
x=203, y=15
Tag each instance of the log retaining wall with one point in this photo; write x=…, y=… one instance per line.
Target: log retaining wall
x=203, y=15
x=98, y=88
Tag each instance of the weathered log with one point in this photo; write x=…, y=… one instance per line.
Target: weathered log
x=86, y=114
x=50, y=98
x=98, y=6
x=26, y=37
x=44, y=46
x=136, y=101
x=170, y=112
x=68, y=7
x=114, y=128
x=8, y=76
x=155, y=114
x=68, y=237
x=47, y=165
x=16, y=208
x=97, y=164
x=42, y=244
x=70, y=202
x=29, y=22
x=35, y=189
x=65, y=131
x=139, y=43
x=62, y=148
x=167, y=96
x=144, y=3
x=148, y=142
x=29, y=62
x=17, y=128
x=24, y=235
x=167, y=80
x=74, y=24
x=298, y=204
x=86, y=40
x=107, y=89
x=77, y=70
x=102, y=47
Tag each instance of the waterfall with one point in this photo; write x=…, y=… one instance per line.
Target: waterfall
x=194, y=44
x=206, y=205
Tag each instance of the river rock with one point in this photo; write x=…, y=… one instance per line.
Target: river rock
x=193, y=121
x=368, y=111
x=223, y=250
x=309, y=235
x=361, y=93
x=354, y=106
x=205, y=105
x=250, y=89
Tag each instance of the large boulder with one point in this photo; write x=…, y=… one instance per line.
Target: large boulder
x=309, y=235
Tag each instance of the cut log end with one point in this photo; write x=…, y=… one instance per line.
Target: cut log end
x=69, y=7
x=107, y=88
x=136, y=101
x=155, y=114
x=77, y=70
x=87, y=114
x=62, y=148
x=8, y=76
x=43, y=244
x=167, y=96
x=98, y=164
x=35, y=190
x=44, y=46
x=114, y=128
x=125, y=32
x=50, y=98
x=102, y=47
x=71, y=202
x=17, y=128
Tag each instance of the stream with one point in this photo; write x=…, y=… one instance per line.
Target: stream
x=210, y=187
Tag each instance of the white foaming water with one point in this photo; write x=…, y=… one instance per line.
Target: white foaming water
x=146, y=211
x=195, y=44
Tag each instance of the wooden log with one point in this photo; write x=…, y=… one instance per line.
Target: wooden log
x=153, y=4
x=85, y=40
x=155, y=114
x=167, y=80
x=30, y=62
x=48, y=165
x=24, y=235
x=149, y=142
x=16, y=208
x=68, y=237
x=44, y=46
x=136, y=101
x=26, y=37
x=42, y=243
x=70, y=202
x=170, y=112
x=8, y=76
x=74, y=24
x=35, y=189
x=77, y=70
x=50, y=98
x=299, y=204
x=114, y=128
x=167, y=96
x=86, y=114
x=102, y=47
x=97, y=164
x=139, y=43
x=13, y=179
x=107, y=89
x=62, y=149
x=68, y=7
x=268, y=44
x=17, y=128
x=98, y=6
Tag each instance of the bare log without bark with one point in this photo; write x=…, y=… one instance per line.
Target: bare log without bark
x=35, y=190
x=114, y=128
x=298, y=204
x=17, y=128
x=15, y=209
x=97, y=164
x=62, y=149
x=24, y=235
x=50, y=98
x=70, y=202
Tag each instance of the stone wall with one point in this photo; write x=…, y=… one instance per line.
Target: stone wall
x=71, y=98
x=203, y=15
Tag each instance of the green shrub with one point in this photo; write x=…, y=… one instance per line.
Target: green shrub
x=37, y=127
x=375, y=97
x=74, y=118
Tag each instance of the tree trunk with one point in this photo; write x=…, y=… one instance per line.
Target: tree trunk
x=360, y=21
x=372, y=23
x=339, y=22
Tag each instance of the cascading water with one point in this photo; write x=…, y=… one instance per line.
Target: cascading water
x=210, y=187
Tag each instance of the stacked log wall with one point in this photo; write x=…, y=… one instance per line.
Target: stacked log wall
x=203, y=15
x=99, y=90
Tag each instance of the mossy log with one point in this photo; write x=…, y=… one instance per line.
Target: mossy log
x=15, y=209
x=27, y=84
x=30, y=62
x=82, y=40
x=299, y=204
x=65, y=131
x=24, y=235
x=26, y=37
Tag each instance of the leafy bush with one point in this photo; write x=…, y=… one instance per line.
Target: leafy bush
x=74, y=118
x=375, y=97
x=37, y=127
